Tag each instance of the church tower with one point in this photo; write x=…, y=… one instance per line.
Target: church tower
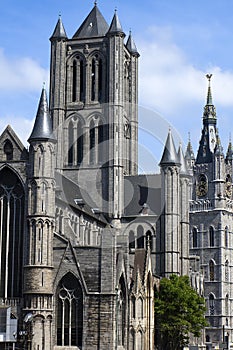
x=38, y=269
x=211, y=224
x=93, y=103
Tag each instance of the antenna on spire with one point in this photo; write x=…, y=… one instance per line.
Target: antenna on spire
x=189, y=138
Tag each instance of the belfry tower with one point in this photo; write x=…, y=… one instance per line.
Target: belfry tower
x=211, y=224
x=93, y=103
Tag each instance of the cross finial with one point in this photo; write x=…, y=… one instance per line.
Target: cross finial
x=43, y=84
x=95, y=3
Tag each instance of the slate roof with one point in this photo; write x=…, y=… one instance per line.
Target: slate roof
x=130, y=45
x=59, y=31
x=182, y=161
x=141, y=190
x=115, y=26
x=169, y=156
x=93, y=26
x=42, y=129
x=70, y=193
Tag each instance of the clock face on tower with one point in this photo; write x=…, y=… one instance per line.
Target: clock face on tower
x=202, y=185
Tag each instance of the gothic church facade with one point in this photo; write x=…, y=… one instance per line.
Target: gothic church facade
x=84, y=239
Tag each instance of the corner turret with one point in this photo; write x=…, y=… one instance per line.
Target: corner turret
x=169, y=156
x=42, y=129
x=115, y=26
x=59, y=31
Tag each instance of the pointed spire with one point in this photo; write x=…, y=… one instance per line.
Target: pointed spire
x=169, y=156
x=42, y=129
x=209, y=101
x=189, y=154
x=130, y=45
x=182, y=161
x=59, y=31
x=209, y=109
x=93, y=26
x=115, y=26
x=229, y=155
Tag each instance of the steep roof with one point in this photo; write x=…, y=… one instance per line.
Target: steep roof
x=115, y=26
x=169, y=156
x=93, y=26
x=42, y=129
x=59, y=31
x=130, y=45
x=182, y=161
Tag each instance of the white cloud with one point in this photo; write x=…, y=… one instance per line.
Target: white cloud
x=20, y=73
x=169, y=82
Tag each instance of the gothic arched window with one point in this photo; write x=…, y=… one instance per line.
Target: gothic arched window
x=211, y=270
x=12, y=201
x=226, y=270
x=226, y=236
x=121, y=312
x=211, y=304
x=8, y=150
x=100, y=141
x=79, y=143
x=69, y=312
x=227, y=305
x=140, y=237
x=194, y=237
x=97, y=79
x=131, y=240
x=211, y=236
x=70, y=143
x=92, y=141
x=78, y=80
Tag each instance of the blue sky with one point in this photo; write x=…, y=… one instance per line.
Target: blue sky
x=179, y=42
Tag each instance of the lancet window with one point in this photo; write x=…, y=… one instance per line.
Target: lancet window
x=12, y=199
x=78, y=80
x=69, y=312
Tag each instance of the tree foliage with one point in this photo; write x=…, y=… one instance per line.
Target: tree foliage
x=179, y=311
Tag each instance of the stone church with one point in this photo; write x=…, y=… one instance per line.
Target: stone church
x=84, y=238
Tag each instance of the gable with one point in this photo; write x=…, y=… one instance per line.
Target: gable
x=11, y=148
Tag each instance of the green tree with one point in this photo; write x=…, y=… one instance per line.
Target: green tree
x=179, y=311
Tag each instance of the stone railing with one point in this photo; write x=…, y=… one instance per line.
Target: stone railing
x=200, y=205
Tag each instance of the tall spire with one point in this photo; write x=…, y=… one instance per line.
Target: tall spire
x=209, y=94
x=42, y=129
x=209, y=109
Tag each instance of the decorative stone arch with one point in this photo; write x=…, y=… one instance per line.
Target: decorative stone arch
x=75, y=134
x=211, y=300
x=12, y=211
x=76, y=73
x=97, y=76
x=69, y=311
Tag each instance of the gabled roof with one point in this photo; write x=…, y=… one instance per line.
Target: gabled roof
x=59, y=31
x=42, y=129
x=9, y=134
x=169, y=156
x=93, y=26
